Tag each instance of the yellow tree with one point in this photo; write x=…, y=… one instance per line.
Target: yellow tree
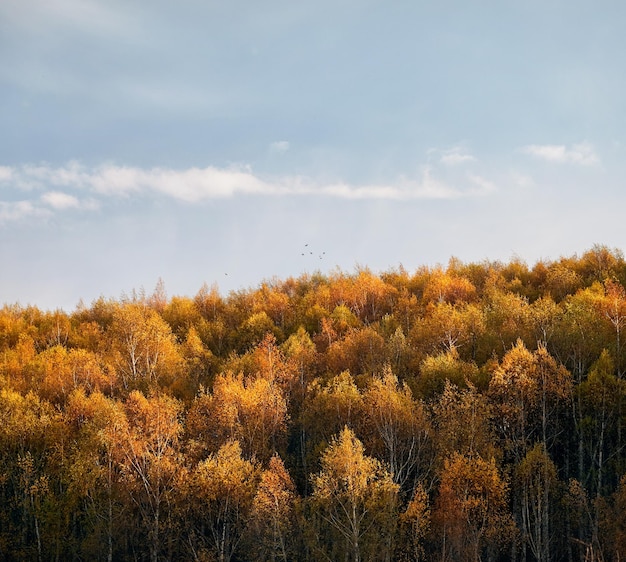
x=222, y=493
x=93, y=475
x=407, y=309
x=343, y=320
x=271, y=299
x=527, y=390
x=462, y=423
x=440, y=329
x=544, y=315
x=355, y=498
x=299, y=350
x=331, y=406
x=199, y=365
x=253, y=330
x=27, y=433
x=57, y=371
x=513, y=390
x=578, y=342
x=145, y=346
x=471, y=509
x=414, y=526
x=251, y=410
x=359, y=351
x=536, y=485
x=582, y=331
x=368, y=295
x=273, y=513
x=181, y=314
x=209, y=302
x=269, y=362
x=301, y=353
x=435, y=370
x=561, y=281
x=601, y=396
x=401, y=430
x=600, y=262
x=506, y=319
x=146, y=449
x=448, y=287
x=614, y=307
x=13, y=326
x=14, y=361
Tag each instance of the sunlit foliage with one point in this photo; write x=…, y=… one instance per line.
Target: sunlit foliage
x=461, y=412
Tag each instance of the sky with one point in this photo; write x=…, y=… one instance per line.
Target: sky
x=236, y=142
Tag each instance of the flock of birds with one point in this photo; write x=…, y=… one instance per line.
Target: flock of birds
x=306, y=252
x=306, y=246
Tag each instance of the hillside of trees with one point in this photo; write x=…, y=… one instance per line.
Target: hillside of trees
x=458, y=413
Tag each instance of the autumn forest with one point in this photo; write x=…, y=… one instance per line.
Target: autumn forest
x=467, y=412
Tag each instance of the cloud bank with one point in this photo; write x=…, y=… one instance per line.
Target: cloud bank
x=582, y=154
x=87, y=187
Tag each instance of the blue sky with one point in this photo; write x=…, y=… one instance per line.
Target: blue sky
x=201, y=141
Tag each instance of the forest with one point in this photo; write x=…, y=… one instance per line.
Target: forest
x=467, y=412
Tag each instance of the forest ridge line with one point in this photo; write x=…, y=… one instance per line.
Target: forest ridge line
x=467, y=412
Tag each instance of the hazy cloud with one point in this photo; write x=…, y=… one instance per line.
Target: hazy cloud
x=58, y=200
x=456, y=156
x=199, y=184
x=86, y=16
x=521, y=180
x=482, y=186
x=61, y=201
x=583, y=153
x=16, y=210
x=6, y=173
x=278, y=147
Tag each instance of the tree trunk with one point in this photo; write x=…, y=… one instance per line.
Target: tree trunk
x=154, y=554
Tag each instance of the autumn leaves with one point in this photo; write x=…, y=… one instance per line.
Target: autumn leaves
x=462, y=413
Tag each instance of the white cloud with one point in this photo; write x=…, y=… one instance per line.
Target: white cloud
x=6, y=173
x=198, y=184
x=456, y=156
x=583, y=153
x=112, y=180
x=345, y=191
x=60, y=201
x=16, y=210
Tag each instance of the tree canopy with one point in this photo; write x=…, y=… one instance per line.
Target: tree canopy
x=462, y=412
